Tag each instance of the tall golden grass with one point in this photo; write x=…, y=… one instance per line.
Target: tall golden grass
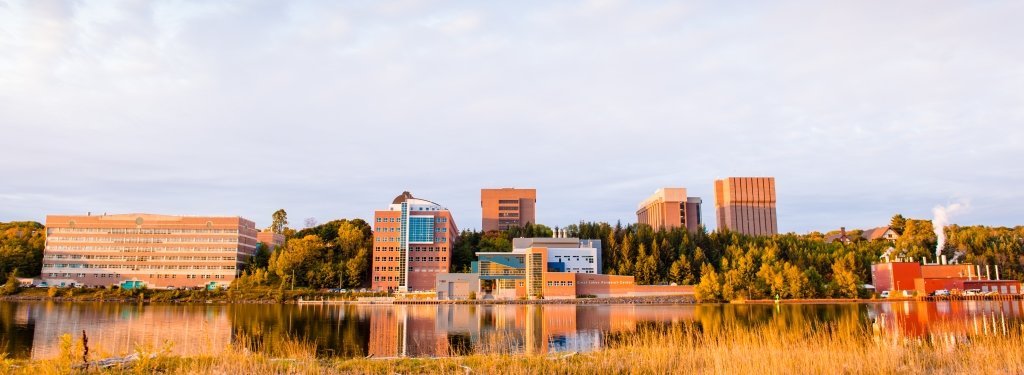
x=775, y=348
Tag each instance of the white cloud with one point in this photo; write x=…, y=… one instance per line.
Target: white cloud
x=860, y=110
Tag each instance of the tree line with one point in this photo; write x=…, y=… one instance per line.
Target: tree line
x=21, y=248
x=722, y=265
x=725, y=265
x=335, y=254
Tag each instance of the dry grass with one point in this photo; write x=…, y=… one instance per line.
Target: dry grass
x=778, y=348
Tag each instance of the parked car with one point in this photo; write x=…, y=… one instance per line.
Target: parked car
x=885, y=294
x=941, y=293
x=972, y=292
x=908, y=293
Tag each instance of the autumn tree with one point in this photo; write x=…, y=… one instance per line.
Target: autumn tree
x=279, y=221
x=710, y=287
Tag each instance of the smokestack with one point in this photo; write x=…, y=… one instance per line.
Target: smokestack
x=943, y=259
x=969, y=272
x=997, y=272
x=977, y=269
x=988, y=273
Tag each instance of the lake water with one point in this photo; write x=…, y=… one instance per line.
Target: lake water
x=33, y=329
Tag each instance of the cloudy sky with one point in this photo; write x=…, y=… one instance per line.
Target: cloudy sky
x=330, y=109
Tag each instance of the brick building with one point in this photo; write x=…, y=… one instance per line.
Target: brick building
x=507, y=207
x=412, y=242
x=746, y=205
x=156, y=251
x=670, y=208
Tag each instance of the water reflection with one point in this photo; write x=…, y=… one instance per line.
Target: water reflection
x=32, y=330
x=945, y=319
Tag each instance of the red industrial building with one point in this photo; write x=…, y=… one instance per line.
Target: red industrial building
x=924, y=279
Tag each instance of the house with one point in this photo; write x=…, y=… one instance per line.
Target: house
x=880, y=233
x=842, y=237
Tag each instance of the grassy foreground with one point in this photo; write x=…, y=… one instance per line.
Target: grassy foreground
x=685, y=348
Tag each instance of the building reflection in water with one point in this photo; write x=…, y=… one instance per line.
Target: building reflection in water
x=33, y=330
x=948, y=322
x=116, y=329
x=444, y=330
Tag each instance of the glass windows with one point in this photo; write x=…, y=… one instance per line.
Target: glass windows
x=421, y=229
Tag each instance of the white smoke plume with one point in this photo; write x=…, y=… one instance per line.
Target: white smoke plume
x=942, y=215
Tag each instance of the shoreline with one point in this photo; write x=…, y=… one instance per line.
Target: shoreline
x=308, y=298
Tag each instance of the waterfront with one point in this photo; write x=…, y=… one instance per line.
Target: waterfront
x=31, y=330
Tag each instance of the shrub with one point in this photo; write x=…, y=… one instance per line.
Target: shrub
x=52, y=292
x=12, y=286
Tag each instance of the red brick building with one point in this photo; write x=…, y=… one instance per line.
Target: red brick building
x=927, y=278
x=156, y=251
x=412, y=242
x=507, y=207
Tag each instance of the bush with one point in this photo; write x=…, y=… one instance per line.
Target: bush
x=12, y=286
x=472, y=296
x=52, y=292
x=586, y=296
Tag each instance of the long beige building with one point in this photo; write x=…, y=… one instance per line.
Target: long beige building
x=155, y=251
x=670, y=208
x=507, y=207
x=746, y=205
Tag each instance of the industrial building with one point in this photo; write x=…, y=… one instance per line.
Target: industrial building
x=900, y=275
x=154, y=251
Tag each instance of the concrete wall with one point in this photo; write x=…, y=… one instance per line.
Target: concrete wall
x=456, y=286
x=661, y=290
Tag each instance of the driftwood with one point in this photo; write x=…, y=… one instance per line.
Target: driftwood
x=111, y=362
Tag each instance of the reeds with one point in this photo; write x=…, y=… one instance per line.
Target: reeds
x=833, y=348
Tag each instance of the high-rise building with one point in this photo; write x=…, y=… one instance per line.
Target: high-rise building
x=412, y=242
x=670, y=208
x=507, y=207
x=155, y=251
x=746, y=205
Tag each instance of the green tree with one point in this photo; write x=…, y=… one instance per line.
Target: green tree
x=898, y=223
x=280, y=221
x=356, y=268
x=259, y=260
x=12, y=286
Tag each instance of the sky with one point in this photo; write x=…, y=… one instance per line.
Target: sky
x=859, y=109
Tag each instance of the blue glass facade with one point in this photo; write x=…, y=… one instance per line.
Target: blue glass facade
x=421, y=229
